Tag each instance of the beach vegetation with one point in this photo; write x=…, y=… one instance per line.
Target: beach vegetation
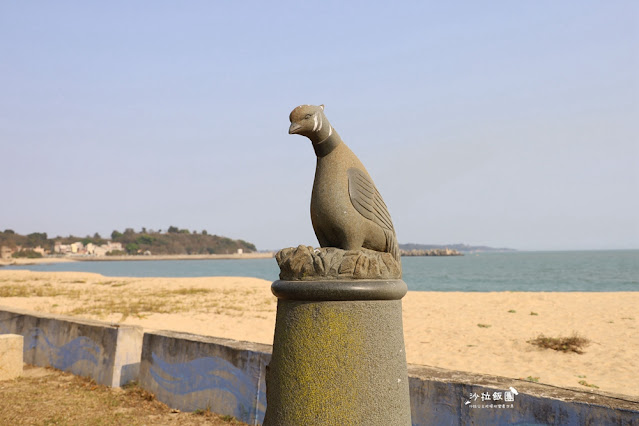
x=189, y=291
x=512, y=311
x=483, y=325
x=17, y=290
x=585, y=383
x=127, y=307
x=574, y=343
x=206, y=412
x=533, y=313
x=532, y=379
x=28, y=254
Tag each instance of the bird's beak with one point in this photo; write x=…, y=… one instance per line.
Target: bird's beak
x=295, y=127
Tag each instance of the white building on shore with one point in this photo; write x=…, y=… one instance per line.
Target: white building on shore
x=90, y=249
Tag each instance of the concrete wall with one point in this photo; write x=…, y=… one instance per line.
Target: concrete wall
x=109, y=354
x=191, y=372
x=445, y=397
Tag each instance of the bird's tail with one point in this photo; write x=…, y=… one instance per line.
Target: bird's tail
x=391, y=245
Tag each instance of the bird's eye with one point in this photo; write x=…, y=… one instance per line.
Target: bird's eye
x=307, y=116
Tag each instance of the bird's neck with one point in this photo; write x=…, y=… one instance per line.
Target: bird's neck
x=326, y=146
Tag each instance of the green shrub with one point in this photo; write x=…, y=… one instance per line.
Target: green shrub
x=29, y=254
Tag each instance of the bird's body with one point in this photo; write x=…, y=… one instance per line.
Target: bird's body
x=347, y=211
x=335, y=220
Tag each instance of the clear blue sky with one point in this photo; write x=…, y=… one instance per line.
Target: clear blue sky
x=502, y=123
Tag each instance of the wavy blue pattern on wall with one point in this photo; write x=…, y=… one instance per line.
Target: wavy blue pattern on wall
x=210, y=374
x=64, y=356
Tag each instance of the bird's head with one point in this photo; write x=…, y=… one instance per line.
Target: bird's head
x=310, y=121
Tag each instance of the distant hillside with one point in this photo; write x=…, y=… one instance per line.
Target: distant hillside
x=178, y=241
x=175, y=241
x=463, y=248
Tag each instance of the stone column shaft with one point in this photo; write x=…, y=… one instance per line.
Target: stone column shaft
x=339, y=361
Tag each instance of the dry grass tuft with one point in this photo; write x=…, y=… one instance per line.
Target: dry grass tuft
x=188, y=291
x=138, y=307
x=44, y=291
x=574, y=343
x=585, y=383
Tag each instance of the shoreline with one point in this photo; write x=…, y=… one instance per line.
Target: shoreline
x=81, y=258
x=485, y=333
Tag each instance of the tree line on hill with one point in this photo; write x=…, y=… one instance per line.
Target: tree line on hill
x=174, y=241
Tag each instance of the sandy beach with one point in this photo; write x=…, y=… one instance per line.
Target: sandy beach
x=36, y=261
x=475, y=332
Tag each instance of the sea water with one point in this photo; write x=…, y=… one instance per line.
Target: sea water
x=525, y=271
x=615, y=270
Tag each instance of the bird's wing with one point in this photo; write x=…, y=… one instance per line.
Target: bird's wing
x=367, y=200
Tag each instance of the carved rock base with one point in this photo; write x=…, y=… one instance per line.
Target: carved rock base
x=305, y=263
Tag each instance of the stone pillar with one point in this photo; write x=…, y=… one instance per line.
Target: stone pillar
x=11, y=356
x=338, y=354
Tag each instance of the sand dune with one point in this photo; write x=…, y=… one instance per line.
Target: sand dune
x=475, y=332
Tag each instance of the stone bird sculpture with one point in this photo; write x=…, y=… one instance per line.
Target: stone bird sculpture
x=347, y=211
